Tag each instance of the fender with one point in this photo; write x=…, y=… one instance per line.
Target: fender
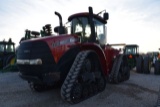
x=98, y=49
x=66, y=61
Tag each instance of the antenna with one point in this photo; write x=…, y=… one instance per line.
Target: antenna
x=101, y=12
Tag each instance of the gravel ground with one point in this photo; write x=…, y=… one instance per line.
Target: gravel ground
x=141, y=90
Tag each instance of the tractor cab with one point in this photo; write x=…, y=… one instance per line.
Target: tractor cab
x=7, y=47
x=88, y=26
x=80, y=25
x=7, y=53
x=132, y=53
x=131, y=49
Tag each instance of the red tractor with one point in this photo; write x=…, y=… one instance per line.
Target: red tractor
x=78, y=59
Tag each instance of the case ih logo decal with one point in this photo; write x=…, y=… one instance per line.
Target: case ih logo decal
x=62, y=42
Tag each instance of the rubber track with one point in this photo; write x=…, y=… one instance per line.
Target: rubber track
x=117, y=69
x=72, y=76
x=111, y=76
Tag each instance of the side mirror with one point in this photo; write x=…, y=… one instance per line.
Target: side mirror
x=105, y=16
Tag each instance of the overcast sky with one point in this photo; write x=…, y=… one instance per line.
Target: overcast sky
x=130, y=21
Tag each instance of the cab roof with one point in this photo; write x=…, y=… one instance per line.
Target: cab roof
x=132, y=45
x=86, y=14
x=5, y=42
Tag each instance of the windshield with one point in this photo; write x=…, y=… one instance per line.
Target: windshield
x=131, y=50
x=9, y=48
x=100, y=32
x=81, y=27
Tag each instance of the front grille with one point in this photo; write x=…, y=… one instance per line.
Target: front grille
x=34, y=50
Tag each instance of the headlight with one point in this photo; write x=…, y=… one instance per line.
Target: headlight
x=36, y=62
x=29, y=61
x=21, y=61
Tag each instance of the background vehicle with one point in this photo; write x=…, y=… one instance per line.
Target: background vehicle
x=156, y=63
x=79, y=60
x=46, y=31
x=132, y=53
x=153, y=57
x=135, y=59
x=7, y=55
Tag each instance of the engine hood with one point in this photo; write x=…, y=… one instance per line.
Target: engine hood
x=56, y=40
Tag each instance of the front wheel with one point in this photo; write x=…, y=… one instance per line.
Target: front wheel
x=139, y=64
x=146, y=65
x=157, y=68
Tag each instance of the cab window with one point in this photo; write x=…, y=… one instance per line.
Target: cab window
x=9, y=48
x=81, y=27
x=1, y=48
x=100, y=32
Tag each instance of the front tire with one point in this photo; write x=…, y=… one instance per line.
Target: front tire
x=146, y=65
x=139, y=64
x=157, y=68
